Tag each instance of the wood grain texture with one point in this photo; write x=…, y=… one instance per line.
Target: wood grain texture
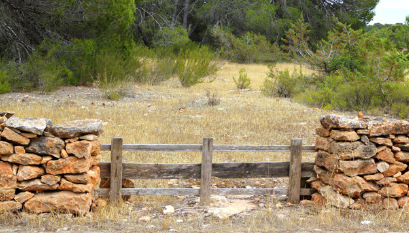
x=294, y=184
x=206, y=171
x=220, y=170
x=116, y=170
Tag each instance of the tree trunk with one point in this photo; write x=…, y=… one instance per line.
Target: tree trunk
x=175, y=14
x=185, y=14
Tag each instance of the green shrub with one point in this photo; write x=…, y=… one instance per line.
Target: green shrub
x=193, y=66
x=283, y=83
x=4, y=82
x=242, y=82
x=174, y=38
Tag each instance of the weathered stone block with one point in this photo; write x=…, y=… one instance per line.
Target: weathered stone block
x=77, y=128
x=46, y=146
x=14, y=137
x=358, y=167
x=31, y=125
x=341, y=135
x=68, y=165
x=352, y=150
x=29, y=172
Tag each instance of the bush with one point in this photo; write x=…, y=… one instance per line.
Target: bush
x=242, y=82
x=4, y=82
x=193, y=66
x=283, y=84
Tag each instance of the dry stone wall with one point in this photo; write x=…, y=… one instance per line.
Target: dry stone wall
x=46, y=167
x=362, y=162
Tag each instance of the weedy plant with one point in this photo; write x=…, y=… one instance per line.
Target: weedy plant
x=242, y=82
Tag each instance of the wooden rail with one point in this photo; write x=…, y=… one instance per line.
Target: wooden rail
x=295, y=169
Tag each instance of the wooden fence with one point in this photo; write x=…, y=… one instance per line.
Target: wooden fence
x=294, y=169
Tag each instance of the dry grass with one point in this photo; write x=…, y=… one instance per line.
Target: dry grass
x=168, y=113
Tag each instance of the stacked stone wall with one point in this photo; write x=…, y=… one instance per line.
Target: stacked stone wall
x=362, y=162
x=46, y=167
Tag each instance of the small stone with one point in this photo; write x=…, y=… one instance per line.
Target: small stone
x=14, y=137
x=323, y=143
x=382, y=166
x=363, y=131
x=77, y=128
x=397, y=175
x=395, y=168
x=365, y=139
x=23, y=197
x=36, y=185
x=28, y=135
x=401, y=139
x=71, y=140
x=46, y=146
x=377, y=176
x=92, y=137
x=10, y=206
x=64, y=154
x=404, y=147
x=60, y=202
x=341, y=135
x=367, y=186
x=317, y=185
x=382, y=141
x=46, y=159
x=387, y=181
x=394, y=190
x=76, y=188
x=346, y=185
x=6, y=148
x=31, y=125
x=403, y=201
x=392, y=136
x=386, y=155
x=390, y=204
x=403, y=178
x=169, y=209
x=80, y=149
x=68, y=165
x=335, y=199
x=7, y=194
x=396, y=149
x=19, y=150
x=50, y=179
x=23, y=159
x=352, y=150
x=29, y=172
x=144, y=219
x=324, y=175
x=358, y=167
x=372, y=197
x=318, y=199
x=7, y=178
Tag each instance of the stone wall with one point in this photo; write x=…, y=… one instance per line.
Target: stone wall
x=362, y=162
x=46, y=167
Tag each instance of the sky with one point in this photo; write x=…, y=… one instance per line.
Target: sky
x=391, y=11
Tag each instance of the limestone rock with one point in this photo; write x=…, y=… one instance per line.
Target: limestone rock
x=318, y=199
x=323, y=143
x=402, y=157
x=403, y=178
x=14, y=137
x=404, y=147
x=382, y=166
x=31, y=125
x=340, y=122
x=396, y=149
x=401, y=140
x=372, y=197
x=46, y=146
x=341, y=135
x=367, y=186
x=324, y=175
x=50, y=179
x=387, y=181
x=386, y=155
x=7, y=194
x=80, y=149
x=403, y=201
x=28, y=135
x=327, y=160
x=363, y=131
x=358, y=167
x=377, y=176
x=95, y=159
x=23, y=159
x=36, y=185
x=395, y=168
x=64, y=154
x=352, y=150
x=365, y=139
x=317, y=185
x=91, y=176
x=346, y=185
x=60, y=202
x=382, y=141
x=96, y=148
x=10, y=206
x=6, y=148
x=23, y=197
x=381, y=128
x=76, y=188
x=90, y=137
x=29, y=172
x=7, y=177
x=335, y=199
x=46, y=159
x=77, y=128
x=394, y=190
x=19, y=150
x=390, y=204
x=68, y=165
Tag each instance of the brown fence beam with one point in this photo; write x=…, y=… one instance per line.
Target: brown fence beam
x=116, y=170
x=206, y=171
x=294, y=187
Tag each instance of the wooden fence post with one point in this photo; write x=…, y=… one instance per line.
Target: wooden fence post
x=116, y=170
x=295, y=171
x=206, y=173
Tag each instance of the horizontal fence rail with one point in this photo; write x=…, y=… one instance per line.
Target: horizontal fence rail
x=294, y=169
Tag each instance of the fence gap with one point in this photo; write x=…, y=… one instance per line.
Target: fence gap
x=206, y=171
x=294, y=188
x=116, y=170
